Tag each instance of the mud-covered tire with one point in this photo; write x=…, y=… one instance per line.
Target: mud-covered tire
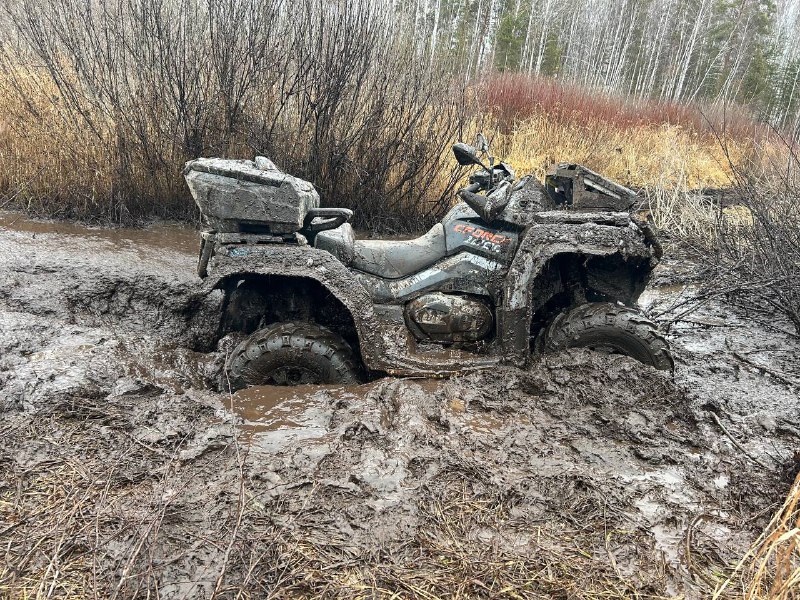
x=608, y=327
x=291, y=354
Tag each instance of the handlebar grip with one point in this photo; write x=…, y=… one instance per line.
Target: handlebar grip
x=472, y=198
x=487, y=208
x=475, y=201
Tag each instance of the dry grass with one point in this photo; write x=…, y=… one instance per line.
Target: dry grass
x=771, y=569
x=114, y=528
x=39, y=169
x=51, y=164
x=469, y=547
x=669, y=164
x=644, y=157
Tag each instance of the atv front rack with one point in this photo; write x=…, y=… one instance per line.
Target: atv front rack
x=578, y=187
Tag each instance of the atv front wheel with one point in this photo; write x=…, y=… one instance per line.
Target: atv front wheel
x=609, y=328
x=291, y=354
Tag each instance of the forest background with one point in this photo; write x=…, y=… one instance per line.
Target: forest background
x=102, y=101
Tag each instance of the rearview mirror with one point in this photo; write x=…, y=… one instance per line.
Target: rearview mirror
x=465, y=154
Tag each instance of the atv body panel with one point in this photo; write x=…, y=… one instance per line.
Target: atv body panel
x=386, y=343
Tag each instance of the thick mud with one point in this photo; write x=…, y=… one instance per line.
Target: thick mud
x=123, y=474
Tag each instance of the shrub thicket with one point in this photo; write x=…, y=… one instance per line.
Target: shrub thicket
x=759, y=255
x=101, y=103
x=104, y=101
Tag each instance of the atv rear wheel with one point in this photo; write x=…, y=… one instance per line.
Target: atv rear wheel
x=610, y=328
x=291, y=354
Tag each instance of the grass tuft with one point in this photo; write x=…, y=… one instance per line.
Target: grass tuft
x=771, y=569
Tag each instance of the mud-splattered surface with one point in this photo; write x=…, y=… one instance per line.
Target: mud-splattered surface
x=586, y=475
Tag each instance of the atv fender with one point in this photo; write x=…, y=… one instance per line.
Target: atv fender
x=308, y=263
x=540, y=244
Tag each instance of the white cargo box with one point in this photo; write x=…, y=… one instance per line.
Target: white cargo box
x=249, y=196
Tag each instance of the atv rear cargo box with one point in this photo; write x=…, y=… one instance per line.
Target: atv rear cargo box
x=244, y=196
x=577, y=187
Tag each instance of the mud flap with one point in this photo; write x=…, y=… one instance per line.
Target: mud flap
x=207, y=239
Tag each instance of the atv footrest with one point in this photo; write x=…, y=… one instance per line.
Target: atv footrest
x=257, y=238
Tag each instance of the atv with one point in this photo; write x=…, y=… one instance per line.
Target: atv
x=515, y=268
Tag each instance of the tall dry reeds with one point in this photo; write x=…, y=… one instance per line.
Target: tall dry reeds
x=103, y=102
x=771, y=569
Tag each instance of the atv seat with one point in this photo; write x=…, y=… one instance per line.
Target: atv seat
x=340, y=242
x=389, y=259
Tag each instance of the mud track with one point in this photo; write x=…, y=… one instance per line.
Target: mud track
x=122, y=474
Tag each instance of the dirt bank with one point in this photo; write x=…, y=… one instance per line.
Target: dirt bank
x=121, y=474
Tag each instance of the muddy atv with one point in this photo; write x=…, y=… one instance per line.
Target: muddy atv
x=515, y=268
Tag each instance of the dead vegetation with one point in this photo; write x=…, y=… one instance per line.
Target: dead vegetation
x=86, y=517
x=761, y=248
x=771, y=569
x=98, y=120
x=449, y=558
x=99, y=117
x=750, y=243
x=117, y=519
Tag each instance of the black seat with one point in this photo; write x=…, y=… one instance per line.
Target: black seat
x=391, y=259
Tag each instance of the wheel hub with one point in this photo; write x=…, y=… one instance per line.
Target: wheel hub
x=293, y=375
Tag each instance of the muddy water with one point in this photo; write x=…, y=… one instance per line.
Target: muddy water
x=275, y=417
x=173, y=237
x=705, y=340
x=583, y=462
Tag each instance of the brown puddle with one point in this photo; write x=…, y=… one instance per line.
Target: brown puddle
x=275, y=416
x=162, y=236
x=272, y=407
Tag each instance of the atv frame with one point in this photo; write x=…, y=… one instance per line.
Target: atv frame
x=565, y=256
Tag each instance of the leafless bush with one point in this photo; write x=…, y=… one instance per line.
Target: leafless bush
x=133, y=88
x=359, y=116
x=760, y=242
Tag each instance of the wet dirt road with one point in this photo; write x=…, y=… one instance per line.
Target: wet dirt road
x=123, y=472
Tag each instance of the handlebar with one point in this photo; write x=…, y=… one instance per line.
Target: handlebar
x=487, y=208
x=475, y=201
